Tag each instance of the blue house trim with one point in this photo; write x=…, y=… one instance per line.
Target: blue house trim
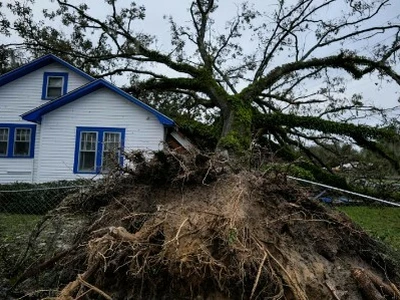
x=46, y=76
x=11, y=138
x=99, y=149
x=37, y=64
x=36, y=114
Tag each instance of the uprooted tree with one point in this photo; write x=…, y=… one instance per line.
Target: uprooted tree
x=180, y=226
x=250, y=78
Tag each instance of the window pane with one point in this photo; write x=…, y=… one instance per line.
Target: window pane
x=3, y=148
x=87, y=161
x=111, y=141
x=22, y=142
x=3, y=141
x=88, y=141
x=55, y=82
x=3, y=134
x=53, y=92
x=23, y=135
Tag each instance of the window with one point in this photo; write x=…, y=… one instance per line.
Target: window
x=54, y=85
x=17, y=140
x=98, y=149
x=22, y=141
x=3, y=141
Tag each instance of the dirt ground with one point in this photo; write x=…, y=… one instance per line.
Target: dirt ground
x=244, y=235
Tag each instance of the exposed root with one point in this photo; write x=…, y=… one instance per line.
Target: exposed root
x=93, y=288
x=258, y=275
x=298, y=292
x=69, y=291
x=332, y=290
x=238, y=236
x=373, y=287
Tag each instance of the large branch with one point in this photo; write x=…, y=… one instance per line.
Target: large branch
x=325, y=126
x=200, y=25
x=140, y=50
x=363, y=135
x=166, y=84
x=357, y=66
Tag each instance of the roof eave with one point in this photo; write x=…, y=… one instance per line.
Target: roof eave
x=37, y=64
x=36, y=114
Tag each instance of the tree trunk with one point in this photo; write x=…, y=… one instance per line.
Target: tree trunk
x=235, y=137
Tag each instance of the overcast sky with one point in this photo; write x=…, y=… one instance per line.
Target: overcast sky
x=155, y=24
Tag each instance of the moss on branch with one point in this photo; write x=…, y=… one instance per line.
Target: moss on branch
x=365, y=136
x=325, y=126
x=357, y=66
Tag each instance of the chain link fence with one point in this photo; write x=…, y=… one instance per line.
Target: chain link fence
x=28, y=232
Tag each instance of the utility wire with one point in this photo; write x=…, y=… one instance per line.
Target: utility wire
x=344, y=191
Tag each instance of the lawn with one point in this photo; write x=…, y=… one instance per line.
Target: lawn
x=15, y=225
x=383, y=222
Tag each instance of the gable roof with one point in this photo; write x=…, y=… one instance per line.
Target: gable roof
x=36, y=114
x=37, y=64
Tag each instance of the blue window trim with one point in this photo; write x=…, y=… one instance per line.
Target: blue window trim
x=11, y=136
x=46, y=76
x=99, y=149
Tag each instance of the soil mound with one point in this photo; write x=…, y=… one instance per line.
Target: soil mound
x=217, y=235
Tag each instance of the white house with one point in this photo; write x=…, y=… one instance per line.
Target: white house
x=59, y=123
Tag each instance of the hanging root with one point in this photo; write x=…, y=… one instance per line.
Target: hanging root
x=294, y=286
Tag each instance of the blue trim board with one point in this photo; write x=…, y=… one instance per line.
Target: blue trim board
x=37, y=64
x=36, y=114
x=46, y=76
x=99, y=149
x=11, y=136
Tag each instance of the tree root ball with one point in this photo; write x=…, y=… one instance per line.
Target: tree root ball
x=243, y=236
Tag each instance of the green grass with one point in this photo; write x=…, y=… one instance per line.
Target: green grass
x=382, y=223
x=14, y=225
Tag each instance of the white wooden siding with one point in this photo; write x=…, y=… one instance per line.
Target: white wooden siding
x=102, y=108
x=18, y=97
x=16, y=169
x=25, y=93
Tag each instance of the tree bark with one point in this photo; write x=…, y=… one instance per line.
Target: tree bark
x=235, y=137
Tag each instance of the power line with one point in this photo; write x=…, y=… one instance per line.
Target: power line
x=344, y=191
